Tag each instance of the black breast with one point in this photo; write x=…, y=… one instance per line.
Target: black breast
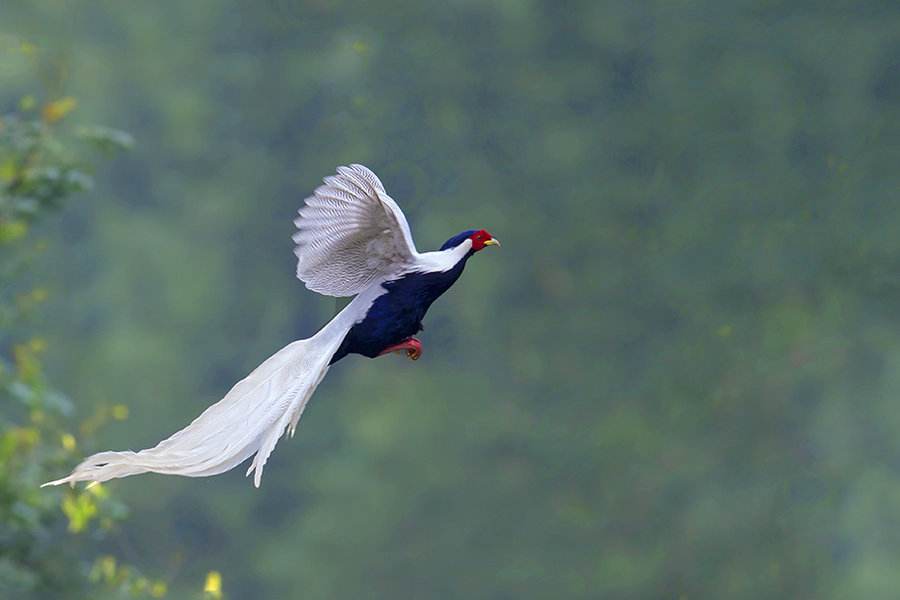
x=398, y=314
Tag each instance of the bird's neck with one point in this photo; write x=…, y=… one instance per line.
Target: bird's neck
x=445, y=260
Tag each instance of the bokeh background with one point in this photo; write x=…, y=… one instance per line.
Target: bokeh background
x=679, y=377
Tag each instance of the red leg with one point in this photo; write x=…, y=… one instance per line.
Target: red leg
x=411, y=346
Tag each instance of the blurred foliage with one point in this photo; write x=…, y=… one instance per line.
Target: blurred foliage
x=42, y=531
x=37, y=172
x=678, y=377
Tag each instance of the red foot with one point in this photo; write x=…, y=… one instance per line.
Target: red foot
x=412, y=346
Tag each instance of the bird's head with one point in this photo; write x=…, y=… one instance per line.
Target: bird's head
x=480, y=238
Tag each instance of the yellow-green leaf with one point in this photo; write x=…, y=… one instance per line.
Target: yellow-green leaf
x=213, y=586
x=80, y=509
x=96, y=489
x=8, y=170
x=56, y=110
x=10, y=231
x=120, y=412
x=68, y=441
x=158, y=589
x=27, y=364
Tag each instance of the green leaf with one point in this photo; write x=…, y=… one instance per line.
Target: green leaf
x=13, y=230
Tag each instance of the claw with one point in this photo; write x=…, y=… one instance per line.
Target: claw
x=411, y=346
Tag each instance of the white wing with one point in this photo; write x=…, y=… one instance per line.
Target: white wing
x=350, y=233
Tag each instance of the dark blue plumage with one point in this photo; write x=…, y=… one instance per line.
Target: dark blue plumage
x=457, y=239
x=397, y=315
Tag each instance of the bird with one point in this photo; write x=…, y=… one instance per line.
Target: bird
x=352, y=239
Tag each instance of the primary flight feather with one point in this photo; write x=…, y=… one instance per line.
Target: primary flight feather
x=352, y=240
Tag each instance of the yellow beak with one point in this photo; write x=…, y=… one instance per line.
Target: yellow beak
x=492, y=242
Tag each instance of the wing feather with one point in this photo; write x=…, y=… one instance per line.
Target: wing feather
x=350, y=233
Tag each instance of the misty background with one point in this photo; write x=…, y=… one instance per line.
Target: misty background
x=678, y=378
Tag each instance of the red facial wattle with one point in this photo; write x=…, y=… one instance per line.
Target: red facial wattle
x=482, y=238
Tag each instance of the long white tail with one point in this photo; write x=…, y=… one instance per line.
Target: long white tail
x=248, y=420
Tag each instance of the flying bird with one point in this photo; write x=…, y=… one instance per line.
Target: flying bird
x=352, y=239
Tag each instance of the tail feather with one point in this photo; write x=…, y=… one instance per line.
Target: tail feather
x=248, y=420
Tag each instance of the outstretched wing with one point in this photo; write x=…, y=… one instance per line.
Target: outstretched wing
x=350, y=233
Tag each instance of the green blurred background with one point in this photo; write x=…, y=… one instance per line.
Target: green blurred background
x=679, y=377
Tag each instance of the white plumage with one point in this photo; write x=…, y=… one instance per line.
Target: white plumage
x=350, y=233
x=351, y=238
